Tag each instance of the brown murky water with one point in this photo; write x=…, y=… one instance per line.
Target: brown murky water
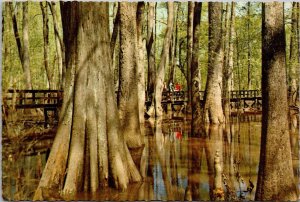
x=173, y=163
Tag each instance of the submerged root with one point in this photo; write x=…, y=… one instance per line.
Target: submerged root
x=118, y=171
x=134, y=174
x=43, y=193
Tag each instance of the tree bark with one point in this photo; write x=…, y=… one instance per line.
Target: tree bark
x=128, y=75
x=141, y=63
x=49, y=73
x=88, y=135
x=115, y=32
x=195, y=69
x=150, y=48
x=213, y=111
x=276, y=178
x=181, y=65
x=228, y=66
x=60, y=47
x=225, y=45
x=190, y=50
x=156, y=108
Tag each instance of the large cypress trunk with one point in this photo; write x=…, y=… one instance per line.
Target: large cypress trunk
x=88, y=147
x=128, y=75
x=213, y=112
x=275, y=178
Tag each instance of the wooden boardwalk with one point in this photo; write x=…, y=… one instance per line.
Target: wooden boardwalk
x=46, y=100
x=238, y=99
x=51, y=100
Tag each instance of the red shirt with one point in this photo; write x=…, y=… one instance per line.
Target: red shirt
x=177, y=87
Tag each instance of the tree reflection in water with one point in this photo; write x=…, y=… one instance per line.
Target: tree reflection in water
x=175, y=165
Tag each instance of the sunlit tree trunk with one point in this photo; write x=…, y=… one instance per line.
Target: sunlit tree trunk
x=228, y=66
x=141, y=63
x=115, y=32
x=150, y=47
x=128, y=75
x=213, y=111
x=88, y=140
x=173, y=47
x=275, y=176
x=60, y=47
x=115, y=44
x=195, y=69
x=49, y=73
x=190, y=49
x=293, y=60
x=156, y=108
x=225, y=45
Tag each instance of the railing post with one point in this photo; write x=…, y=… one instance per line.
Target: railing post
x=20, y=98
x=33, y=97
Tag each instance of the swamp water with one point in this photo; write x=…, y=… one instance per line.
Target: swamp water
x=175, y=164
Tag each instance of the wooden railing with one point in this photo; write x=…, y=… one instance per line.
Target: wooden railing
x=46, y=100
x=181, y=95
x=22, y=99
x=51, y=100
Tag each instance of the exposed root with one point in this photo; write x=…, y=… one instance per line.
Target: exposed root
x=134, y=174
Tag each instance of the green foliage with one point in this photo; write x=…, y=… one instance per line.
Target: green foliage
x=13, y=73
x=12, y=76
x=241, y=46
